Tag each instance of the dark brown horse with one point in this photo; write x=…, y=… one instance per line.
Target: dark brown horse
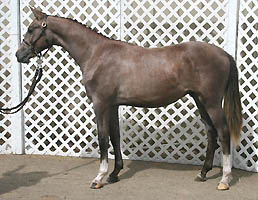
x=116, y=73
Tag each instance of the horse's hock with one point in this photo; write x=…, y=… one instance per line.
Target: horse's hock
x=59, y=119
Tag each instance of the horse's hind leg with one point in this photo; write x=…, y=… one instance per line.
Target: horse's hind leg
x=212, y=140
x=218, y=118
x=115, y=140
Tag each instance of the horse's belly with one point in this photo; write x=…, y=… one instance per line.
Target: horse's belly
x=150, y=97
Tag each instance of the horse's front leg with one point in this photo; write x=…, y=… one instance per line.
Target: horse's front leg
x=115, y=140
x=103, y=120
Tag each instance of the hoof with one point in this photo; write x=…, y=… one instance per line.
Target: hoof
x=222, y=187
x=112, y=179
x=95, y=185
x=199, y=178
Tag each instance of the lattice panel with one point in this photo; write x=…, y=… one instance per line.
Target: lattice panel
x=174, y=133
x=246, y=156
x=160, y=23
x=59, y=120
x=5, y=77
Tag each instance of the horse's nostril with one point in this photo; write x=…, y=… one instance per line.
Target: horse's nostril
x=17, y=56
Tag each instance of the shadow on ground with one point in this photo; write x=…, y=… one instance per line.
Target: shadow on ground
x=137, y=166
x=15, y=179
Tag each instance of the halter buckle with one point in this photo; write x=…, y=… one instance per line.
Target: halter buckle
x=39, y=61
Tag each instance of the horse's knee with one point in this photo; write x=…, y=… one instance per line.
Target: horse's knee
x=103, y=143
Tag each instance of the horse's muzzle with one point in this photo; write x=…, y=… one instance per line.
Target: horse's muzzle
x=24, y=55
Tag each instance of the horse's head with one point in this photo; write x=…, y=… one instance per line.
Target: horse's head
x=35, y=40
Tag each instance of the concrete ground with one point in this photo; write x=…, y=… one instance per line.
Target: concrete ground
x=66, y=178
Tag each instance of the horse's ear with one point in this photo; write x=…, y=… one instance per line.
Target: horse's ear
x=38, y=14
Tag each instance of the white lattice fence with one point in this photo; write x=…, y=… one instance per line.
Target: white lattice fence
x=160, y=23
x=246, y=156
x=5, y=75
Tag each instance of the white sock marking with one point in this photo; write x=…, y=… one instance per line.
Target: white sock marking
x=103, y=170
x=227, y=165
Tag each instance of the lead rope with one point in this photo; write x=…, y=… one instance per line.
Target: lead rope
x=36, y=79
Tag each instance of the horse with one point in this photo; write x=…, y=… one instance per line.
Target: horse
x=118, y=73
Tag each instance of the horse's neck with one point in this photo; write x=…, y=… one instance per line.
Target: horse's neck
x=78, y=40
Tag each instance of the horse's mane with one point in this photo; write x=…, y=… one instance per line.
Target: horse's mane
x=86, y=26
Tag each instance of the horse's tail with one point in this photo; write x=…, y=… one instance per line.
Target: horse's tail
x=232, y=103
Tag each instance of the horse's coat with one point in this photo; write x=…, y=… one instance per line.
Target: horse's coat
x=116, y=73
